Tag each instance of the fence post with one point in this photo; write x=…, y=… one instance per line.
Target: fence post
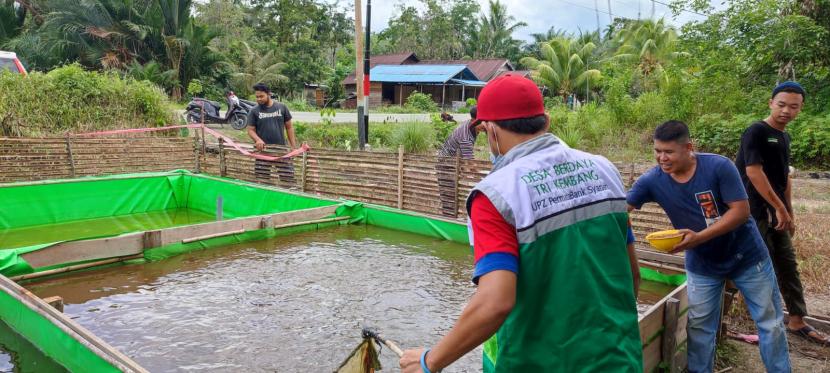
x=631, y=176
x=455, y=185
x=69, y=154
x=196, y=152
x=223, y=167
x=400, y=177
x=303, y=175
x=669, y=347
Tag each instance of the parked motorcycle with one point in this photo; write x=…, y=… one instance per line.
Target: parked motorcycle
x=236, y=116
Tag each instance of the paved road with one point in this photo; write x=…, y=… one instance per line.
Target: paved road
x=314, y=117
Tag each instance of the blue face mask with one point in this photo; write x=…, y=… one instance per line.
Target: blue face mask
x=495, y=158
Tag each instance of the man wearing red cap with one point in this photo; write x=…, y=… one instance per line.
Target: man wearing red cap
x=554, y=260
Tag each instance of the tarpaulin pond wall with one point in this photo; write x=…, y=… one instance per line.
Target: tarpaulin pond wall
x=248, y=211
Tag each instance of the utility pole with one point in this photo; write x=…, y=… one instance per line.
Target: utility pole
x=596, y=9
x=610, y=15
x=367, y=85
x=358, y=71
x=652, y=9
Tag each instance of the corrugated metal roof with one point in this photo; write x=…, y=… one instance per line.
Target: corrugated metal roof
x=469, y=83
x=386, y=59
x=484, y=69
x=436, y=74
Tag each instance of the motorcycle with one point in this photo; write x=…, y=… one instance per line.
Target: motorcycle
x=236, y=116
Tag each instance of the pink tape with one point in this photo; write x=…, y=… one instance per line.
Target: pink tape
x=302, y=149
x=135, y=130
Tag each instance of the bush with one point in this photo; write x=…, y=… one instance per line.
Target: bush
x=471, y=102
x=194, y=88
x=810, y=135
x=421, y=102
x=415, y=137
x=69, y=99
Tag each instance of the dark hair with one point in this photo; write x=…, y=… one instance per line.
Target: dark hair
x=789, y=87
x=790, y=90
x=261, y=87
x=473, y=112
x=673, y=130
x=524, y=126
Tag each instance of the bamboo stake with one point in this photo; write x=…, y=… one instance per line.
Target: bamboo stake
x=223, y=166
x=400, y=176
x=71, y=159
x=303, y=175
x=74, y=268
x=196, y=152
x=455, y=184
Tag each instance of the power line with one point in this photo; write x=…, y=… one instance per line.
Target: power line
x=681, y=9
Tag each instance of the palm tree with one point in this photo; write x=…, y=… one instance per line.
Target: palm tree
x=153, y=72
x=493, y=35
x=563, y=68
x=11, y=20
x=97, y=33
x=534, y=48
x=256, y=68
x=649, y=44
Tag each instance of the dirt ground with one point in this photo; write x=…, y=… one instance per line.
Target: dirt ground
x=811, y=202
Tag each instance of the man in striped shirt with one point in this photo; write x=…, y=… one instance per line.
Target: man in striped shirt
x=463, y=139
x=461, y=143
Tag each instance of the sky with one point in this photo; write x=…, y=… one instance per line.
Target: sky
x=540, y=15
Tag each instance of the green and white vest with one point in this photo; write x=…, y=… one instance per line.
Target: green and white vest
x=575, y=307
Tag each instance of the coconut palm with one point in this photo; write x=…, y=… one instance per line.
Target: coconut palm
x=650, y=44
x=493, y=35
x=563, y=69
x=255, y=68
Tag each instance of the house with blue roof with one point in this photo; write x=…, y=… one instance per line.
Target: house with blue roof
x=394, y=78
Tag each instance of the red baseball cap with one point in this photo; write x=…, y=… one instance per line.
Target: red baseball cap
x=510, y=97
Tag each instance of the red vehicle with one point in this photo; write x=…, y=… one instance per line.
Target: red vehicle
x=9, y=61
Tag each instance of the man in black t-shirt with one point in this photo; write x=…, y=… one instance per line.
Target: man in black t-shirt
x=764, y=163
x=268, y=124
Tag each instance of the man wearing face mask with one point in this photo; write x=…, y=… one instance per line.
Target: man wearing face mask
x=554, y=261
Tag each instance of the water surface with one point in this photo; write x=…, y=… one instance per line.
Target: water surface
x=289, y=304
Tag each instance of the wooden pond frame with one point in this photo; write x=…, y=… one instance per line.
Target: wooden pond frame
x=395, y=179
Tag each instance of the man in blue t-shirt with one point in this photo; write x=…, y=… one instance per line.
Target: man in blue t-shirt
x=704, y=197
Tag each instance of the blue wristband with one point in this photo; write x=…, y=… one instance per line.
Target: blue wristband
x=424, y=361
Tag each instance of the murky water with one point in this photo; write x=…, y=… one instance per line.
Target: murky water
x=25, y=236
x=291, y=304
x=19, y=356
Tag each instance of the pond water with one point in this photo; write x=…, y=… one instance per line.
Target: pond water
x=19, y=356
x=37, y=234
x=294, y=303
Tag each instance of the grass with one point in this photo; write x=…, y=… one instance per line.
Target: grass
x=812, y=248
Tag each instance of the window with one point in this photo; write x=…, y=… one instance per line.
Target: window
x=8, y=64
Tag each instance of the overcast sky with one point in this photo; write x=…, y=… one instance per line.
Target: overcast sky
x=540, y=15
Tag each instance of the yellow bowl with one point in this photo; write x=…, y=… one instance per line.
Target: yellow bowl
x=665, y=240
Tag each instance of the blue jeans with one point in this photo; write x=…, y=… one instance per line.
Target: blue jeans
x=760, y=290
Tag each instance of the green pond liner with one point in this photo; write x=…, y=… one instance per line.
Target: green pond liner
x=56, y=201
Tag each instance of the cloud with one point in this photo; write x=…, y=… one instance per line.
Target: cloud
x=541, y=15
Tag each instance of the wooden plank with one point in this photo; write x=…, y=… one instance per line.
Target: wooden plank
x=669, y=343
x=214, y=235
x=179, y=234
x=662, y=268
x=55, y=301
x=78, y=251
x=651, y=356
x=655, y=256
x=306, y=222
